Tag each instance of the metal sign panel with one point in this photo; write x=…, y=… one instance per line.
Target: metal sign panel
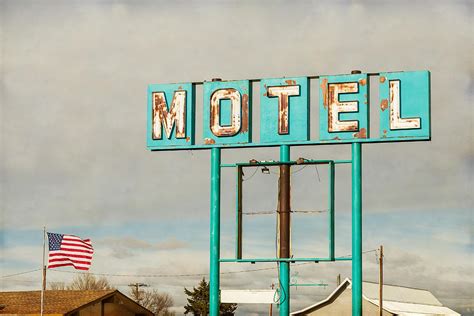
x=227, y=112
x=285, y=111
x=405, y=104
x=170, y=115
x=343, y=107
x=248, y=296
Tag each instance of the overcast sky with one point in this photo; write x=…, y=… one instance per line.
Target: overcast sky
x=73, y=151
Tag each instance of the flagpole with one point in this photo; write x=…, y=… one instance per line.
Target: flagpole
x=43, y=287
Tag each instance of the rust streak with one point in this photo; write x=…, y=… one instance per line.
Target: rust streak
x=336, y=138
x=283, y=115
x=382, y=79
x=361, y=134
x=188, y=139
x=384, y=104
x=245, y=113
x=324, y=89
x=290, y=82
x=362, y=82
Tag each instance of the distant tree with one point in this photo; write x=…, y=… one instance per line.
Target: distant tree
x=85, y=281
x=57, y=286
x=158, y=302
x=198, y=301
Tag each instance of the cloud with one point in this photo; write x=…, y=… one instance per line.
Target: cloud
x=73, y=129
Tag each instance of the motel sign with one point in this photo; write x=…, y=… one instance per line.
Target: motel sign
x=343, y=108
x=404, y=111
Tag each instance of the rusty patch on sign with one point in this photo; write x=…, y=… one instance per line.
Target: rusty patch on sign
x=188, y=139
x=283, y=93
x=283, y=116
x=245, y=113
x=362, y=82
x=384, y=133
x=226, y=94
x=361, y=134
x=166, y=118
x=384, y=104
x=324, y=89
x=209, y=141
x=290, y=82
x=382, y=79
x=335, y=107
x=336, y=138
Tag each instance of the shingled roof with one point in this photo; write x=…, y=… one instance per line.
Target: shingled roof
x=55, y=302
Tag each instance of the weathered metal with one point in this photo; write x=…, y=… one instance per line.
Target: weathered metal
x=356, y=229
x=396, y=122
x=227, y=112
x=285, y=116
x=283, y=94
x=343, y=109
x=335, y=107
x=235, y=122
x=331, y=208
x=284, y=251
x=239, y=219
x=405, y=105
x=164, y=119
x=170, y=124
x=285, y=111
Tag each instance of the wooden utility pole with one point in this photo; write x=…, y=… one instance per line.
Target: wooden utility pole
x=381, y=281
x=270, y=311
x=136, y=289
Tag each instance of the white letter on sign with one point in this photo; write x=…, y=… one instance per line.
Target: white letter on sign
x=225, y=94
x=396, y=122
x=336, y=107
x=283, y=93
x=176, y=113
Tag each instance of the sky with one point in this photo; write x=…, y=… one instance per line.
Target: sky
x=73, y=154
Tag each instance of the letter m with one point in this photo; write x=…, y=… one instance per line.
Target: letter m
x=165, y=118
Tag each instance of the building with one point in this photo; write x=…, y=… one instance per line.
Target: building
x=397, y=300
x=70, y=303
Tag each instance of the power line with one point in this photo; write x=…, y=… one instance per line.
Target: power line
x=19, y=273
x=168, y=275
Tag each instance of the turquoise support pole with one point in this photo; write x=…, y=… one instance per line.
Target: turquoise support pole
x=331, y=217
x=356, y=229
x=284, y=266
x=215, y=231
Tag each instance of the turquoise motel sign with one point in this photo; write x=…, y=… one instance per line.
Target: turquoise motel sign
x=285, y=115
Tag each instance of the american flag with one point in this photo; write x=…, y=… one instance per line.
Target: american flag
x=69, y=250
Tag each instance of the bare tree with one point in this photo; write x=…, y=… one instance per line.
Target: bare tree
x=158, y=302
x=57, y=286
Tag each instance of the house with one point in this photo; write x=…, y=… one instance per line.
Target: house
x=70, y=303
x=397, y=300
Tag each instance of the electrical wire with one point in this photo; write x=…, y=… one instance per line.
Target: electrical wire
x=169, y=275
x=19, y=273
x=251, y=176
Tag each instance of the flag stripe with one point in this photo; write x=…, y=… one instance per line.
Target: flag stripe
x=69, y=260
x=78, y=242
x=74, y=244
x=57, y=255
x=76, y=249
x=68, y=264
